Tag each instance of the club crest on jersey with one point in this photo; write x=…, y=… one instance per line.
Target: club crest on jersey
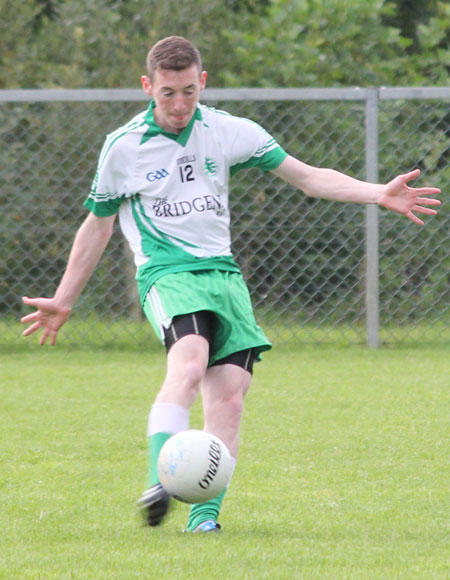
x=210, y=167
x=157, y=175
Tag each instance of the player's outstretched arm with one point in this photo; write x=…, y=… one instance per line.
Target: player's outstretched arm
x=89, y=245
x=396, y=195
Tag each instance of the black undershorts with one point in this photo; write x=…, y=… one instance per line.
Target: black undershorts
x=202, y=324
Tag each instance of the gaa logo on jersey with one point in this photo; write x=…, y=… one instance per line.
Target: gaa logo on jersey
x=156, y=175
x=210, y=167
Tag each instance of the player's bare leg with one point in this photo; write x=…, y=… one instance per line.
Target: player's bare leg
x=223, y=390
x=186, y=364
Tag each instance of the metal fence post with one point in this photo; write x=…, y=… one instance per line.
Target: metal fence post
x=372, y=233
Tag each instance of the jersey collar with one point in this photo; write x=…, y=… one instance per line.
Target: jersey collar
x=154, y=129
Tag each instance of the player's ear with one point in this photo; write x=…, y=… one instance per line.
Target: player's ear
x=146, y=84
x=203, y=77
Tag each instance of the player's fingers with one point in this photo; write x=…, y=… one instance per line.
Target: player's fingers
x=29, y=317
x=29, y=301
x=425, y=210
x=425, y=190
x=414, y=174
x=427, y=200
x=414, y=218
x=31, y=329
x=44, y=336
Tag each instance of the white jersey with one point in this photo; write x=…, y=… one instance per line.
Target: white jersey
x=171, y=191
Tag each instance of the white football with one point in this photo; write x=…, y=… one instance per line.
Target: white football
x=194, y=466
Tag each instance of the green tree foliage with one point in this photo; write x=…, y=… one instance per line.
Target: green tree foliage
x=339, y=43
x=103, y=43
x=409, y=15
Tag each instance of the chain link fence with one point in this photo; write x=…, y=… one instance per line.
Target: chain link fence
x=318, y=271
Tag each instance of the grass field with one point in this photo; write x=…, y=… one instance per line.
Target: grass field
x=343, y=471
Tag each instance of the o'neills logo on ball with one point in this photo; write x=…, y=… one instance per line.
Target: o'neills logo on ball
x=213, y=466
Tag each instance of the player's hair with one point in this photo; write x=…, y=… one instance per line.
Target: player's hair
x=173, y=53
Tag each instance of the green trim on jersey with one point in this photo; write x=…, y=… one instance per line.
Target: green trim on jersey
x=163, y=253
x=272, y=159
x=149, y=230
x=135, y=123
x=107, y=204
x=104, y=208
x=154, y=129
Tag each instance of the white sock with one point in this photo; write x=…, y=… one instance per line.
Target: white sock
x=167, y=418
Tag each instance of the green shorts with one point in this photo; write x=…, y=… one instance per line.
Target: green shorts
x=224, y=293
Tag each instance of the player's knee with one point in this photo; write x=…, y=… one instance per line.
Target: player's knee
x=231, y=406
x=193, y=373
x=183, y=383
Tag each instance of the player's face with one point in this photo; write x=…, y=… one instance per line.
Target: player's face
x=176, y=96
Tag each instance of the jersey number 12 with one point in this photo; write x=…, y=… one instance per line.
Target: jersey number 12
x=186, y=172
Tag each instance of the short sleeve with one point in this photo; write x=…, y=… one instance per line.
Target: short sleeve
x=253, y=146
x=112, y=178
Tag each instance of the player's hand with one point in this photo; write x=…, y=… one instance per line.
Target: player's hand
x=401, y=198
x=48, y=315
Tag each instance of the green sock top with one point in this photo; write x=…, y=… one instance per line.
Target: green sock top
x=201, y=512
x=155, y=443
